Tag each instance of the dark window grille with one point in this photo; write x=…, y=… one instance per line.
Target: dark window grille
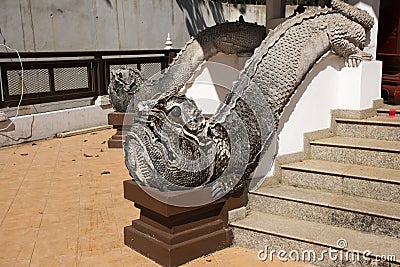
x=70, y=78
x=76, y=75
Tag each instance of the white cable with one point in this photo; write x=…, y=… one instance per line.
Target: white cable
x=22, y=86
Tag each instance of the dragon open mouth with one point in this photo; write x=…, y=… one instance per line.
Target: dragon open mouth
x=170, y=145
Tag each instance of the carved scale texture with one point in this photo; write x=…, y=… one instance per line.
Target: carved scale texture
x=280, y=63
x=279, y=71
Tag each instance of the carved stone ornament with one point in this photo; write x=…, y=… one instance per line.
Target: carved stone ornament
x=171, y=147
x=123, y=85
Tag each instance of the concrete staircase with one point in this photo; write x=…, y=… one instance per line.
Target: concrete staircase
x=344, y=195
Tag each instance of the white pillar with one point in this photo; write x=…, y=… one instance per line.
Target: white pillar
x=168, y=43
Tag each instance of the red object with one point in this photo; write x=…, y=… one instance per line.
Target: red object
x=392, y=113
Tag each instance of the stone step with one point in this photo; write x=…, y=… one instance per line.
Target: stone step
x=259, y=230
x=357, y=213
x=378, y=127
x=356, y=180
x=360, y=151
x=384, y=111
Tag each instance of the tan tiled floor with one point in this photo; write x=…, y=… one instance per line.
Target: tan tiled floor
x=58, y=209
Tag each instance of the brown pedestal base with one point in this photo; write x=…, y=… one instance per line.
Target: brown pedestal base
x=116, y=119
x=172, y=235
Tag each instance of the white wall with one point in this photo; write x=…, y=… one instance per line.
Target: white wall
x=209, y=86
x=43, y=125
x=328, y=86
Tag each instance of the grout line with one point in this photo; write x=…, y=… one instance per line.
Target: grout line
x=19, y=188
x=366, y=122
x=357, y=146
x=12, y=202
x=44, y=209
x=77, y=258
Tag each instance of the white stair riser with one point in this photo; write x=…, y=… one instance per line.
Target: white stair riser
x=375, y=158
x=259, y=241
x=389, y=133
x=342, y=184
x=326, y=215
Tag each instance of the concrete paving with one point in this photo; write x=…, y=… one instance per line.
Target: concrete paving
x=61, y=204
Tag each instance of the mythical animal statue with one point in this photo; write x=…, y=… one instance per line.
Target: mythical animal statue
x=172, y=147
x=123, y=85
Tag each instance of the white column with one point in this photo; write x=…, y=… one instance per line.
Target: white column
x=168, y=43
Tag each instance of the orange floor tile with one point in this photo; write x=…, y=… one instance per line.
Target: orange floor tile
x=58, y=209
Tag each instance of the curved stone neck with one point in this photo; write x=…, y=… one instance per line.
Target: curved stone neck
x=276, y=14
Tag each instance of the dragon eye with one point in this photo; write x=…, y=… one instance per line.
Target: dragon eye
x=175, y=111
x=120, y=75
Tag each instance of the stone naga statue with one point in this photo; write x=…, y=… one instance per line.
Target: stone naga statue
x=123, y=85
x=172, y=147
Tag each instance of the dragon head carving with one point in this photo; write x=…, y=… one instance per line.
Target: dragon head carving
x=123, y=84
x=169, y=136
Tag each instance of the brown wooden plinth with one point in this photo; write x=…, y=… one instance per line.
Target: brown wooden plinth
x=172, y=235
x=116, y=119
